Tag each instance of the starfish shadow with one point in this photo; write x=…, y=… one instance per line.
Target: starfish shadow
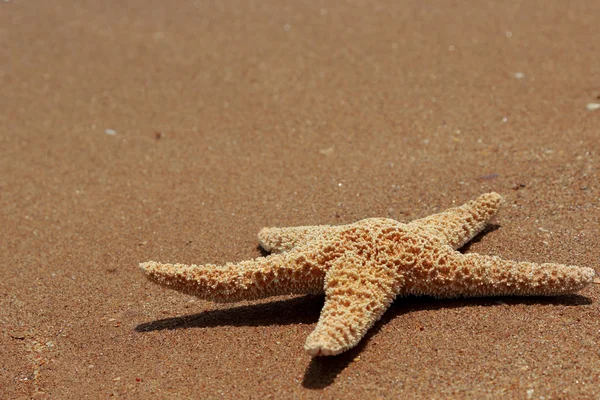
x=263, y=252
x=488, y=229
x=279, y=312
x=323, y=371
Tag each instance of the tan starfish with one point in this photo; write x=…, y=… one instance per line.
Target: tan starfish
x=362, y=267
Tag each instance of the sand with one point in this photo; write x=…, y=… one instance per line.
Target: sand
x=146, y=130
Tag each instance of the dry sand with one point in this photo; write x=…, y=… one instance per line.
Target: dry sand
x=148, y=130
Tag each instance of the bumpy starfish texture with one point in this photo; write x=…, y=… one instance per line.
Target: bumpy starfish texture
x=362, y=267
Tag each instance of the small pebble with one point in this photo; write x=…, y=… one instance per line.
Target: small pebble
x=110, y=132
x=593, y=106
x=327, y=151
x=17, y=335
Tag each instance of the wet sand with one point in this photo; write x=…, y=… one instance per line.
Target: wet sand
x=174, y=132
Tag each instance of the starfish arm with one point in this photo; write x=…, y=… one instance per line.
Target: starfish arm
x=456, y=226
x=356, y=296
x=475, y=275
x=279, y=274
x=279, y=240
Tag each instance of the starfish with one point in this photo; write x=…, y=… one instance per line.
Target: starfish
x=362, y=267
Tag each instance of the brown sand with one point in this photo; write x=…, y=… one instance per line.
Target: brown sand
x=234, y=116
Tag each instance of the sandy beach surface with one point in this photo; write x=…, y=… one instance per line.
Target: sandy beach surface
x=174, y=131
